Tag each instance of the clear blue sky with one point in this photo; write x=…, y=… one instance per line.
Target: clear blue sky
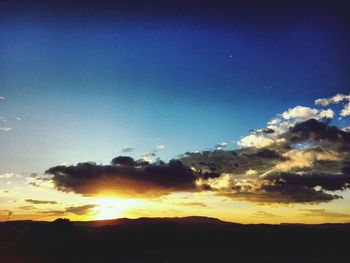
x=85, y=87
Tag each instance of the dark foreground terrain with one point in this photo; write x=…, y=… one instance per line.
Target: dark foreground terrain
x=180, y=240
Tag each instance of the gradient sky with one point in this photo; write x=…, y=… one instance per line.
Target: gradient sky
x=81, y=82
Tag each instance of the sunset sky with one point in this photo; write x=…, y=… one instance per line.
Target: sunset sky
x=130, y=110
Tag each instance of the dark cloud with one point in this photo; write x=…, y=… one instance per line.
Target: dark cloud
x=124, y=176
x=80, y=210
x=305, y=164
x=123, y=160
x=77, y=210
x=309, y=164
x=266, y=191
x=330, y=182
x=268, y=130
x=319, y=132
x=213, y=163
x=33, y=201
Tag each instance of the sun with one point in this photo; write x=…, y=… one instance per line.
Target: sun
x=109, y=208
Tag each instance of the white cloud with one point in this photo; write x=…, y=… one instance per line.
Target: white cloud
x=6, y=175
x=159, y=147
x=332, y=100
x=346, y=110
x=255, y=140
x=2, y=98
x=220, y=145
x=300, y=112
x=336, y=100
x=251, y=172
x=6, y=129
x=281, y=124
x=328, y=114
x=148, y=157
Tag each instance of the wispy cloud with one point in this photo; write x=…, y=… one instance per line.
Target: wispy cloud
x=127, y=149
x=159, y=148
x=323, y=213
x=264, y=214
x=6, y=175
x=38, y=202
x=193, y=204
x=5, y=129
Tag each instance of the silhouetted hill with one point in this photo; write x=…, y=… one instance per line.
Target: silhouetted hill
x=172, y=240
x=153, y=220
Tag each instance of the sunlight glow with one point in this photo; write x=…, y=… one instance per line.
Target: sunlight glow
x=109, y=208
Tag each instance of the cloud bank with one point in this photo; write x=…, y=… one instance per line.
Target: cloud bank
x=299, y=157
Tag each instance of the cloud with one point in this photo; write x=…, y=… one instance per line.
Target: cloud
x=282, y=123
x=6, y=129
x=332, y=100
x=127, y=149
x=299, y=157
x=148, y=157
x=194, y=204
x=300, y=112
x=308, y=167
x=77, y=210
x=310, y=164
x=339, y=98
x=221, y=145
x=264, y=214
x=124, y=177
x=80, y=210
x=255, y=140
x=326, y=114
x=2, y=98
x=159, y=147
x=3, y=119
x=27, y=207
x=322, y=213
x=346, y=110
x=33, y=201
x=6, y=175
x=318, y=132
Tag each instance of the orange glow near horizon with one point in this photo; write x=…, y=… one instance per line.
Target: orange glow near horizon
x=110, y=208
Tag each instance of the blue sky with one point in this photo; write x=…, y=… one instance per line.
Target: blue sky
x=85, y=90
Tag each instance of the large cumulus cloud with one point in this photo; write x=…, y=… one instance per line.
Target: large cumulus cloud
x=124, y=176
x=309, y=162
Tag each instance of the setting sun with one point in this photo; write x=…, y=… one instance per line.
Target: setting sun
x=108, y=208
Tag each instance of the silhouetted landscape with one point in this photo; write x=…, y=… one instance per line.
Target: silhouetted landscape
x=156, y=120
x=186, y=239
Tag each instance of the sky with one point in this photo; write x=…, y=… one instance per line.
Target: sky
x=230, y=110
